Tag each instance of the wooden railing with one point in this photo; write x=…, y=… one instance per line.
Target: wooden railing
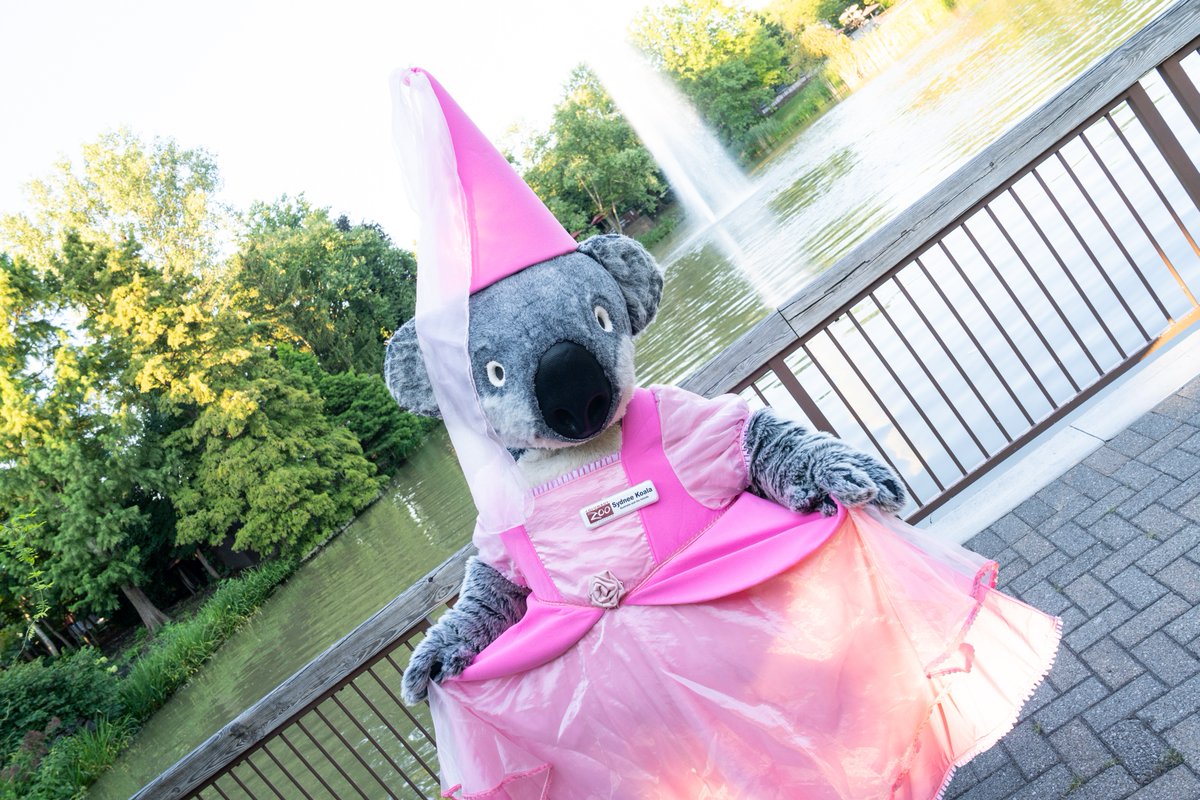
x=1044, y=268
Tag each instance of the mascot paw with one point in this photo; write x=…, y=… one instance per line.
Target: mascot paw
x=856, y=480
x=437, y=657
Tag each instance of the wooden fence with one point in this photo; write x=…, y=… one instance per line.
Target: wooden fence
x=1040, y=271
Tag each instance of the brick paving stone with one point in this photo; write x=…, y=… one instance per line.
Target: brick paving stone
x=1052, y=785
x=1183, y=492
x=1012, y=566
x=1070, y=705
x=1090, y=482
x=1089, y=594
x=1060, y=496
x=1004, y=783
x=1167, y=444
x=1178, y=464
x=1044, y=596
x=1178, y=406
x=1120, y=559
x=1181, y=702
x=1092, y=629
x=1178, y=784
x=988, y=544
x=1081, y=749
x=1010, y=529
x=1136, y=475
x=1106, y=461
x=1114, y=783
x=1162, y=656
x=1042, y=696
x=1029, y=750
x=1186, y=626
x=1113, y=547
x=1154, y=426
x=1034, y=547
x=1191, y=509
x=1136, y=747
x=1111, y=663
x=1068, y=670
x=1162, y=611
x=1185, y=739
x=1034, y=511
x=1114, y=530
x=1038, y=570
x=1144, y=498
x=1072, y=619
x=989, y=761
x=1137, y=588
x=1085, y=562
x=1159, y=522
x=1124, y=702
x=1096, y=511
x=1070, y=538
x=1164, y=552
x=1183, y=576
x=1129, y=442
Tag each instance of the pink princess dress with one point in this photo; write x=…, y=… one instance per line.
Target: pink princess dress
x=716, y=645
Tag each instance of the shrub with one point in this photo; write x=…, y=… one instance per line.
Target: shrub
x=76, y=687
x=181, y=647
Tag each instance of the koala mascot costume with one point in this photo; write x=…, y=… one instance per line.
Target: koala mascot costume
x=674, y=597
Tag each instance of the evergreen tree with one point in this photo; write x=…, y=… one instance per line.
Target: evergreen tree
x=727, y=59
x=336, y=289
x=268, y=468
x=591, y=163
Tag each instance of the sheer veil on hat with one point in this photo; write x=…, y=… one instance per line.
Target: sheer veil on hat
x=479, y=223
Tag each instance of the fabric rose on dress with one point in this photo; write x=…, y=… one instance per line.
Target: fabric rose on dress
x=606, y=590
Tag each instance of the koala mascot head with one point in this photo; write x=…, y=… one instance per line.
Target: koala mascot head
x=551, y=345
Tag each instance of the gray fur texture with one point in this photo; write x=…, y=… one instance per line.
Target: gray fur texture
x=487, y=606
x=405, y=375
x=510, y=326
x=806, y=470
x=636, y=272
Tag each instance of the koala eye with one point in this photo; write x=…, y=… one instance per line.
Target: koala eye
x=603, y=319
x=495, y=373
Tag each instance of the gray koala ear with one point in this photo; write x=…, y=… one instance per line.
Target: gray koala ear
x=405, y=375
x=636, y=271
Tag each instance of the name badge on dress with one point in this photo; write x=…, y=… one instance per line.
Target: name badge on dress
x=619, y=505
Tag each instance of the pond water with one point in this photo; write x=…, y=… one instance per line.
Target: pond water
x=987, y=64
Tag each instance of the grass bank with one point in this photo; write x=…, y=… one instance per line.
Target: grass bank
x=765, y=138
x=63, y=722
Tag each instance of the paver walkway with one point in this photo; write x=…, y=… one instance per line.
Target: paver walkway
x=1113, y=547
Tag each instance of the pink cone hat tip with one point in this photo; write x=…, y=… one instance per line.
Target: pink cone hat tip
x=510, y=227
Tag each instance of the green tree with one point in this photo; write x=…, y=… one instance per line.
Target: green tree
x=591, y=163
x=77, y=453
x=24, y=585
x=158, y=194
x=339, y=290
x=362, y=403
x=268, y=468
x=727, y=59
x=809, y=30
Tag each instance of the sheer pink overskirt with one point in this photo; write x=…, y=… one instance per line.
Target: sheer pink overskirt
x=867, y=670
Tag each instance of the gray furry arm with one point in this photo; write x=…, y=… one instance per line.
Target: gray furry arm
x=804, y=469
x=488, y=604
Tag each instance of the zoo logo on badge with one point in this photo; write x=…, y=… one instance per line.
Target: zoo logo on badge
x=619, y=505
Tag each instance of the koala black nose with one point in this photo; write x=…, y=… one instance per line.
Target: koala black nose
x=572, y=391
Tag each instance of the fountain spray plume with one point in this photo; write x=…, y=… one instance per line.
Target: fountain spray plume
x=704, y=177
x=705, y=180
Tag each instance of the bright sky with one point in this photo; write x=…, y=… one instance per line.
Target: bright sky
x=289, y=97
